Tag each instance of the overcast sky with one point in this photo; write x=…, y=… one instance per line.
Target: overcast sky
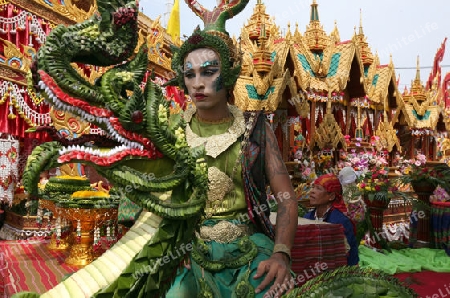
x=405, y=29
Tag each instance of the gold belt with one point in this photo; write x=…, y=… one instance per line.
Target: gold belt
x=223, y=232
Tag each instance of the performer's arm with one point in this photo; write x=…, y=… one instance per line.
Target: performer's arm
x=277, y=268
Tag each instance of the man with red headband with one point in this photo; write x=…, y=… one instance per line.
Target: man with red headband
x=326, y=198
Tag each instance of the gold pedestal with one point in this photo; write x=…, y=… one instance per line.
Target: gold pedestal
x=64, y=242
x=47, y=204
x=82, y=252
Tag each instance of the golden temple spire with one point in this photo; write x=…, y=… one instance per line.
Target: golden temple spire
x=335, y=33
x=417, y=89
x=418, y=70
x=361, y=40
x=316, y=38
x=314, y=12
x=361, y=32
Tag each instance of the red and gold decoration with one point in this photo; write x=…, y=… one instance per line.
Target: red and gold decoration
x=9, y=160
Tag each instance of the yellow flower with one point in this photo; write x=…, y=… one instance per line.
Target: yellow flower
x=71, y=177
x=84, y=194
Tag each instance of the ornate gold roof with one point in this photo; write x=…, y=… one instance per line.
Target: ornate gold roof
x=71, y=11
x=379, y=81
x=328, y=73
x=158, y=42
x=420, y=106
x=263, y=78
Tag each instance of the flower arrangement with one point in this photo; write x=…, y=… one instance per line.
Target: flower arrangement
x=440, y=195
x=323, y=162
x=371, y=169
x=305, y=168
x=419, y=170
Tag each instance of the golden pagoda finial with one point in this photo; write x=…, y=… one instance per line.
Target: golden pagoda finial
x=335, y=33
x=360, y=39
x=360, y=22
x=418, y=93
x=314, y=12
x=418, y=69
x=297, y=34
x=315, y=36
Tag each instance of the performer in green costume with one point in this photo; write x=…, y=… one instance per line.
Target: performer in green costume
x=233, y=253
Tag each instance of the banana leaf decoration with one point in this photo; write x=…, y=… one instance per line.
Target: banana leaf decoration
x=151, y=162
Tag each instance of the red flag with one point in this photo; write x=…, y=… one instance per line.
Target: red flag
x=436, y=66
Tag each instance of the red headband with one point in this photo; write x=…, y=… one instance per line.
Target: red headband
x=332, y=184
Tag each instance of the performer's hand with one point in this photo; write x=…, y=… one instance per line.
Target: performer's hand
x=187, y=264
x=278, y=270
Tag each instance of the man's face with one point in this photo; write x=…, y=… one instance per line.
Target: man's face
x=319, y=196
x=202, y=77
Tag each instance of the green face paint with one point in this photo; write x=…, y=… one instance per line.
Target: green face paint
x=218, y=84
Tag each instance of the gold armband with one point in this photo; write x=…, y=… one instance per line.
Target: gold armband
x=282, y=248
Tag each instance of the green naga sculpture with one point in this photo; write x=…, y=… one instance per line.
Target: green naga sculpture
x=145, y=151
x=151, y=159
x=217, y=18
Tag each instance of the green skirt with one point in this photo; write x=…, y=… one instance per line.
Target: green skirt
x=221, y=280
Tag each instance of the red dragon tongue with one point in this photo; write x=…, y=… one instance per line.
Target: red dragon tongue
x=72, y=101
x=107, y=160
x=115, y=124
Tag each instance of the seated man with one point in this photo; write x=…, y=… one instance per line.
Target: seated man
x=326, y=198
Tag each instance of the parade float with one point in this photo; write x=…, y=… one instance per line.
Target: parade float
x=323, y=97
x=25, y=26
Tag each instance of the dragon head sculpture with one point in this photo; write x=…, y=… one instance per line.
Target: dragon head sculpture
x=135, y=118
x=148, y=154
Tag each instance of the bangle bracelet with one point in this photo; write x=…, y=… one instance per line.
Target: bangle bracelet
x=282, y=248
